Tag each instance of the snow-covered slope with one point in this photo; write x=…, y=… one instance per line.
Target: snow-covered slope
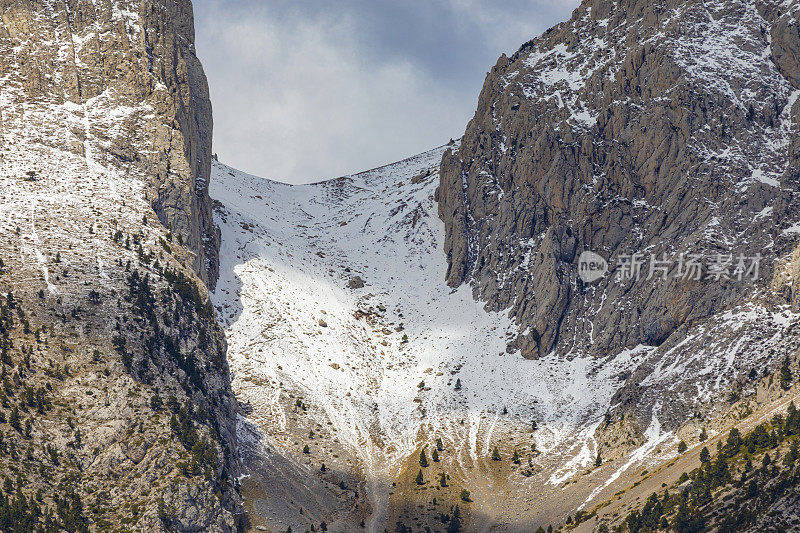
x=604, y=134
x=344, y=336
x=381, y=362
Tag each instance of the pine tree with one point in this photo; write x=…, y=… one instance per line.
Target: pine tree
x=439, y=445
x=515, y=458
x=598, y=460
x=752, y=489
x=792, y=454
x=14, y=419
x=703, y=435
x=443, y=480
x=792, y=423
x=419, y=479
x=435, y=456
x=155, y=402
x=705, y=455
x=786, y=374
x=423, y=459
x=682, y=447
x=306, y=449
x=687, y=521
x=458, y=383
x=496, y=455
x=734, y=443
x=455, y=521
x=465, y=495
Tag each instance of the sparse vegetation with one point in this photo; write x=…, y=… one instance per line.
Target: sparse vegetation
x=726, y=491
x=423, y=459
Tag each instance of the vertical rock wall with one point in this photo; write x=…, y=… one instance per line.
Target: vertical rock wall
x=635, y=127
x=131, y=52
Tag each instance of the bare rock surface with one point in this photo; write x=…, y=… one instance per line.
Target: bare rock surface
x=663, y=129
x=116, y=407
x=132, y=54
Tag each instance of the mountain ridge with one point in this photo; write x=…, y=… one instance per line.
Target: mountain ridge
x=663, y=371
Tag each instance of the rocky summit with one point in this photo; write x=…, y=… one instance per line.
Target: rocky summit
x=658, y=128
x=580, y=316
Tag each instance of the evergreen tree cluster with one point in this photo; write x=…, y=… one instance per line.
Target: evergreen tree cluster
x=23, y=400
x=25, y=514
x=751, y=492
x=167, y=320
x=203, y=455
x=163, y=328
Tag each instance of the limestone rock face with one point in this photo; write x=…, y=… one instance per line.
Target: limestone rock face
x=136, y=54
x=786, y=48
x=635, y=127
x=121, y=396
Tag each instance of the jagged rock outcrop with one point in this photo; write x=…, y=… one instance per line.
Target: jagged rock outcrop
x=636, y=127
x=785, y=42
x=116, y=408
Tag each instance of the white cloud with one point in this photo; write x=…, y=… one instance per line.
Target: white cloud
x=297, y=103
x=303, y=92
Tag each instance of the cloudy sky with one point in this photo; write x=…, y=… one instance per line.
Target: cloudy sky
x=311, y=89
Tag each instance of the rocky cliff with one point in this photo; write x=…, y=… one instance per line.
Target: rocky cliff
x=665, y=129
x=133, y=54
x=116, y=407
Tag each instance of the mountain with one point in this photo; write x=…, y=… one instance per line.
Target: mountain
x=339, y=325
x=647, y=132
x=661, y=129
x=116, y=406
x=636, y=127
x=459, y=340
